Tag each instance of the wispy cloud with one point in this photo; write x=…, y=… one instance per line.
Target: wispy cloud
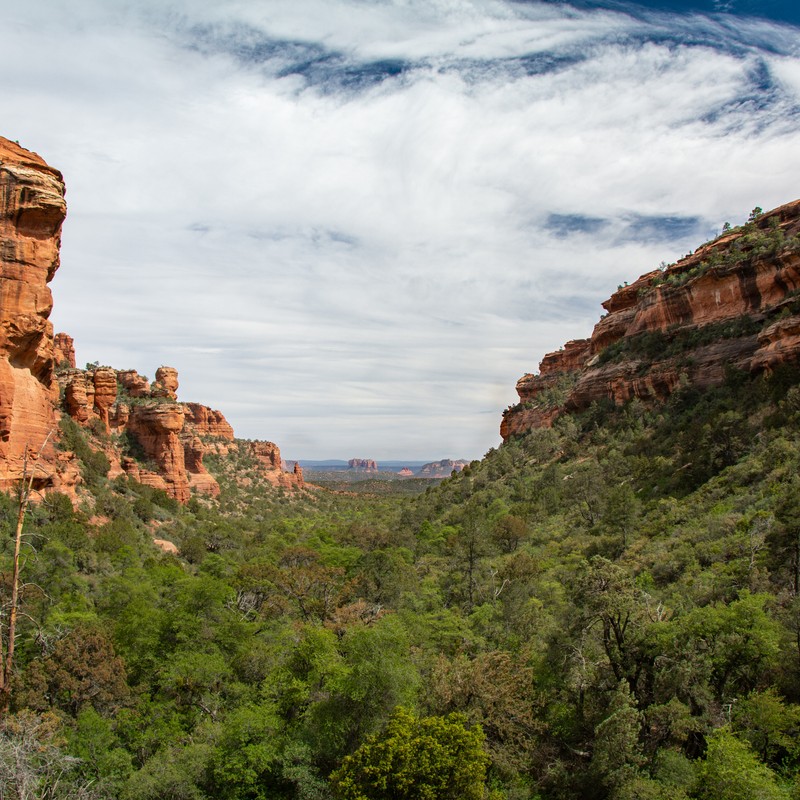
x=353, y=225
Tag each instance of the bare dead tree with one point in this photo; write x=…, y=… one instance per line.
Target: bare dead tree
x=29, y=464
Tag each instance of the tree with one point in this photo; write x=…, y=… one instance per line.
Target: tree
x=8, y=641
x=82, y=671
x=732, y=771
x=495, y=690
x=431, y=758
x=33, y=764
x=375, y=676
x=617, y=755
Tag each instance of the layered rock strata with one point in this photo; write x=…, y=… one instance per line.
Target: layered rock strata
x=140, y=426
x=363, y=464
x=732, y=303
x=32, y=209
x=441, y=469
x=64, y=351
x=268, y=455
x=124, y=403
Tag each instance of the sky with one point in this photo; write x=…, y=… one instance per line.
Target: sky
x=352, y=225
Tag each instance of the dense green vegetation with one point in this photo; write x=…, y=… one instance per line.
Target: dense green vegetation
x=606, y=609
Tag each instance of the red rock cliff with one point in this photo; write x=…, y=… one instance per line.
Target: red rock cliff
x=171, y=438
x=64, y=350
x=731, y=303
x=268, y=455
x=32, y=209
x=124, y=401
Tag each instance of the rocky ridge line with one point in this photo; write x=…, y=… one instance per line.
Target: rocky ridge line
x=734, y=302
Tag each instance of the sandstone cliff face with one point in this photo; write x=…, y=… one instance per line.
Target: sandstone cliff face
x=125, y=403
x=166, y=383
x=141, y=427
x=268, y=455
x=207, y=421
x=731, y=303
x=172, y=438
x=134, y=384
x=157, y=428
x=32, y=209
x=64, y=350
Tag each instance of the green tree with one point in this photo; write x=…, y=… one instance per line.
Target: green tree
x=617, y=756
x=732, y=771
x=431, y=758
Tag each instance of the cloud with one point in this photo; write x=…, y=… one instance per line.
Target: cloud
x=353, y=225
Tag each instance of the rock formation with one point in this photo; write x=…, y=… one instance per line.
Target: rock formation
x=169, y=434
x=268, y=455
x=64, y=350
x=208, y=422
x=732, y=303
x=134, y=384
x=166, y=383
x=441, y=469
x=32, y=209
x=157, y=428
x=363, y=464
x=155, y=440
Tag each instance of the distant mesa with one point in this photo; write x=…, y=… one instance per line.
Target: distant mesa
x=732, y=304
x=406, y=472
x=156, y=440
x=363, y=464
x=441, y=469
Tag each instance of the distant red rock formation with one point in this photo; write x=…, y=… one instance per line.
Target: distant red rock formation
x=363, y=464
x=441, y=469
x=746, y=274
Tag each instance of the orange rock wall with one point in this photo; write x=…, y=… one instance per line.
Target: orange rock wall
x=668, y=302
x=64, y=350
x=32, y=209
x=268, y=454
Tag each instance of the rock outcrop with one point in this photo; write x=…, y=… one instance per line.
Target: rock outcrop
x=268, y=456
x=157, y=429
x=169, y=435
x=207, y=421
x=166, y=383
x=732, y=303
x=441, y=469
x=363, y=464
x=141, y=427
x=134, y=384
x=32, y=209
x=64, y=351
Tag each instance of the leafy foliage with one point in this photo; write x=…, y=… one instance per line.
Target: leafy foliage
x=607, y=609
x=433, y=758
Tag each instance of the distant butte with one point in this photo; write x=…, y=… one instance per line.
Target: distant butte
x=362, y=464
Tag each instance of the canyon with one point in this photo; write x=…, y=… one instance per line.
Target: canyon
x=732, y=304
x=142, y=429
